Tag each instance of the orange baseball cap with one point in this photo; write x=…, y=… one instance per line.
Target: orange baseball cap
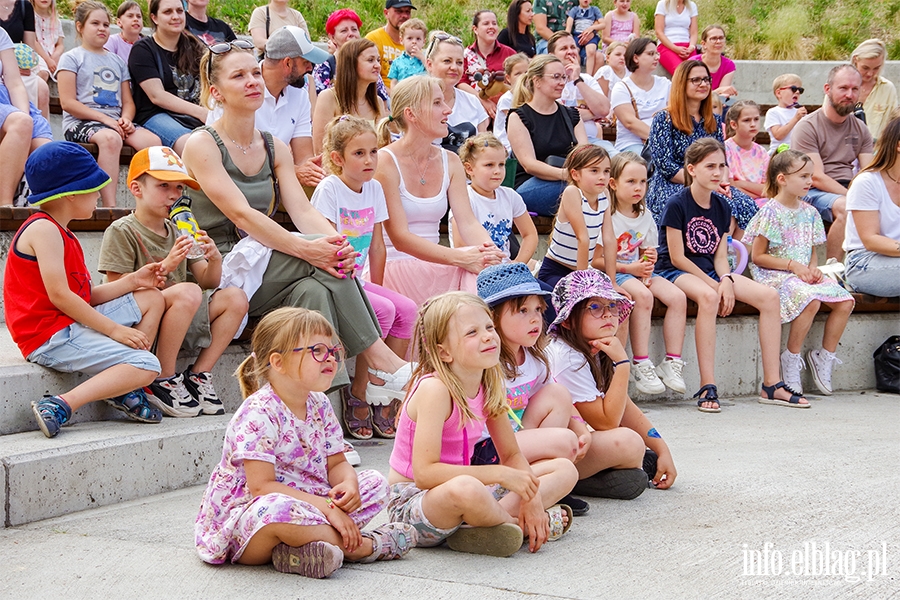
x=161, y=162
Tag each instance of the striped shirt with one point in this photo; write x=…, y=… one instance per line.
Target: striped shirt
x=563, y=243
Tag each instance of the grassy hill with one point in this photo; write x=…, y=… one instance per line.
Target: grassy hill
x=757, y=29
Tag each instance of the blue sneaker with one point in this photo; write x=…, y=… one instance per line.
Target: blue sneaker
x=51, y=413
x=136, y=407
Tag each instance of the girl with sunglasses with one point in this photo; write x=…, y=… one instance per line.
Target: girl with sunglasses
x=283, y=492
x=96, y=96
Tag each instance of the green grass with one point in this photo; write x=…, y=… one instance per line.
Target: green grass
x=757, y=29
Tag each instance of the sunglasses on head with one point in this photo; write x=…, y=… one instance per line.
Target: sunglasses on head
x=794, y=88
x=442, y=37
x=224, y=48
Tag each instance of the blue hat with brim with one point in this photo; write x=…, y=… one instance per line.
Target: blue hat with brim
x=499, y=283
x=62, y=169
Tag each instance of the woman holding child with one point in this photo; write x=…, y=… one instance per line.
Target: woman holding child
x=243, y=173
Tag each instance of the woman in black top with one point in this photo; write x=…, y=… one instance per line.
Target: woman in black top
x=166, y=77
x=541, y=133
x=518, y=34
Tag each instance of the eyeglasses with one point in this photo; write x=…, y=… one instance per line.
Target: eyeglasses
x=321, y=352
x=225, y=48
x=441, y=37
x=555, y=77
x=700, y=80
x=598, y=310
x=718, y=38
x=794, y=88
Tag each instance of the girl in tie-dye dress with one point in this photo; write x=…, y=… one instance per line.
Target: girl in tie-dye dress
x=283, y=491
x=783, y=235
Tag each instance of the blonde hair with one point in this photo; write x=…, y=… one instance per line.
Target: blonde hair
x=511, y=61
x=871, y=48
x=784, y=80
x=472, y=148
x=413, y=24
x=413, y=93
x=338, y=134
x=432, y=328
x=436, y=38
x=523, y=91
x=209, y=73
x=613, y=45
x=616, y=166
x=278, y=332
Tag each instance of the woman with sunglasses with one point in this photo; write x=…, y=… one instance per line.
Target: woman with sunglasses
x=444, y=60
x=355, y=89
x=314, y=271
x=164, y=74
x=541, y=133
x=721, y=68
x=689, y=117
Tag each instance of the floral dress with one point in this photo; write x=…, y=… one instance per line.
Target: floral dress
x=667, y=146
x=792, y=234
x=747, y=165
x=265, y=429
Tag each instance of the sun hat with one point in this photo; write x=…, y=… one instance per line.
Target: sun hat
x=60, y=169
x=293, y=42
x=341, y=15
x=162, y=163
x=511, y=280
x=581, y=285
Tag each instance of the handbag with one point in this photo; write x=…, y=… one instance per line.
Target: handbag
x=887, y=365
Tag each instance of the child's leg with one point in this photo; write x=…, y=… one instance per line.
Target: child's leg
x=557, y=476
x=463, y=499
x=109, y=144
x=675, y=320
x=13, y=153
x=142, y=138
x=619, y=448
x=707, y=300
x=551, y=406
x=835, y=324
x=546, y=443
x=152, y=305
x=227, y=308
x=639, y=321
x=110, y=383
x=591, y=53
x=399, y=331
x=182, y=301
x=800, y=327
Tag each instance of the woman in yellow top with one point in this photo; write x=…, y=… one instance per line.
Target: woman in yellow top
x=877, y=95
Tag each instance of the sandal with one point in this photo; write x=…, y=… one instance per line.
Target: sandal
x=315, y=559
x=500, y=540
x=712, y=395
x=794, y=402
x=351, y=421
x=136, y=407
x=394, y=383
x=382, y=424
x=390, y=541
x=557, y=526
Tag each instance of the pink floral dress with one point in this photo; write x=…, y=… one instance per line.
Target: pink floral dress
x=747, y=165
x=265, y=429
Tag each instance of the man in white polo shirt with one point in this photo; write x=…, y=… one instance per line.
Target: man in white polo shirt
x=285, y=113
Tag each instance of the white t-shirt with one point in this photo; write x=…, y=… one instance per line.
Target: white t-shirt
x=571, y=96
x=633, y=234
x=531, y=378
x=775, y=117
x=648, y=103
x=678, y=25
x=868, y=192
x=353, y=215
x=496, y=214
x=467, y=109
x=606, y=72
x=503, y=106
x=6, y=43
x=570, y=369
x=286, y=117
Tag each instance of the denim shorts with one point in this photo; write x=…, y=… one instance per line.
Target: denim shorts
x=822, y=202
x=673, y=274
x=623, y=277
x=167, y=128
x=80, y=349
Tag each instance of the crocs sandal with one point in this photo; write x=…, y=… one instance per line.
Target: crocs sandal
x=712, y=395
x=351, y=422
x=394, y=383
x=557, y=526
x=315, y=559
x=390, y=541
x=618, y=484
x=136, y=407
x=381, y=424
x=500, y=540
x=794, y=402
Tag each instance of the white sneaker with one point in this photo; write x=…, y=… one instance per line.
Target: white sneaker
x=670, y=371
x=644, y=375
x=791, y=365
x=351, y=454
x=821, y=362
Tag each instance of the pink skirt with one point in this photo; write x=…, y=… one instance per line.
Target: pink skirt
x=419, y=280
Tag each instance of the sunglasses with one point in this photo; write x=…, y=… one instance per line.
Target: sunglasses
x=441, y=37
x=794, y=88
x=224, y=48
x=321, y=352
x=598, y=310
x=698, y=80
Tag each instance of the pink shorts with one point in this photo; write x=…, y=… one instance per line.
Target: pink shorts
x=395, y=312
x=419, y=280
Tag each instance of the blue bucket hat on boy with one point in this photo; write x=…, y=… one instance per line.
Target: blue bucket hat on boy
x=511, y=280
x=62, y=169
x=581, y=285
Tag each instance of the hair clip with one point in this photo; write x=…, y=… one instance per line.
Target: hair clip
x=343, y=118
x=390, y=118
x=253, y=355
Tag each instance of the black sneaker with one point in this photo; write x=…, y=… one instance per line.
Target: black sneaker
x=650, y=458
x=200, y=387
x=579, y=507
x=51, y=413
x=171, y=397
x=619, y=484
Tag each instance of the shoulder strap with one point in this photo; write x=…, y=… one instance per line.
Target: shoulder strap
x=268, y=20
x=568, y=119
x=270, y=154
x=633, y=101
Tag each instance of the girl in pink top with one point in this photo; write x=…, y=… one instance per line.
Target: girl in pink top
x=747, y=160
x=460, y=388
x=621, y=24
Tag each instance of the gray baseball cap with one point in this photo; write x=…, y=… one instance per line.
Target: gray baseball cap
x=293, y=42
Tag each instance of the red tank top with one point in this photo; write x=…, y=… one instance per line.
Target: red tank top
x=31, y=317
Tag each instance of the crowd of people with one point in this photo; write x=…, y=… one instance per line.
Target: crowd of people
x=504, y=407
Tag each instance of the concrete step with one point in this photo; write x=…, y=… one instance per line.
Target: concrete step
x=97, y=464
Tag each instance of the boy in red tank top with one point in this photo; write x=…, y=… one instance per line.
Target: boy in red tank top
x=54, y=315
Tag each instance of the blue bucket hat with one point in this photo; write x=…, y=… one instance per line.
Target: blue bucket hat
x=62, y=169
x=581, y=285
x=510, y=280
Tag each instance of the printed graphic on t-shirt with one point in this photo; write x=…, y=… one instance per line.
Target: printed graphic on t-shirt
x=187, y=85
x=107, y=84
x=628, y=244
x=499, y=231
x=357, y=225
x=701, y=236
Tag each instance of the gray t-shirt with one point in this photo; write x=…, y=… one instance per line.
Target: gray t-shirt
x=837, y=144
x=98, y=81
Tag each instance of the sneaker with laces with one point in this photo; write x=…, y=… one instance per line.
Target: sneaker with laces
x=671, y=372
x=821, y=362
x=200, y=388
x=644, y=376
x=51, y=413
x=791, y=365
x=171, y=397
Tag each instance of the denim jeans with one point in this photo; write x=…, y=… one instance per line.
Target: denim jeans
x=873, y=273
x=542, y=196
x=167, y=128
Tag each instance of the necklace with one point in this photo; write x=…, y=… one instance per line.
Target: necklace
x=422, y=171
x=891, y=177
x=243, y=149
